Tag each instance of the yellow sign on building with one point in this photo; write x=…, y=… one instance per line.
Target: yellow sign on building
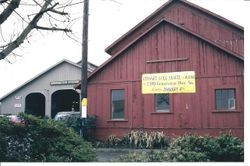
x=174, y=82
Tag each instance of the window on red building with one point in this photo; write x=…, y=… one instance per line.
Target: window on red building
x=117, y=104
x=162, y=103
x=225, y=99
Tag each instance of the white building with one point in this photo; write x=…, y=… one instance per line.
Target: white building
x=49, y=92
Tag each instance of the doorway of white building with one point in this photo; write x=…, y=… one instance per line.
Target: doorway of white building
x=64, y=100
x=35, y=104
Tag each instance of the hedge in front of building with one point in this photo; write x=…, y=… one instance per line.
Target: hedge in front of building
x=41, y=140
x=225, y=147
x=194, y=148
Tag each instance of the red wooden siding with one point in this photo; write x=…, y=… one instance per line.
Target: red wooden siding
x=193, y=19
x=168, y=42
x=188, y=112
x=205, y=25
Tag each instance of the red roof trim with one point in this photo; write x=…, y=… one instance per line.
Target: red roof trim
x=168, y=4
x=139, y=24
x=177, y=26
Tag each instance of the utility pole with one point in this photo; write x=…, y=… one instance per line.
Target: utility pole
x=84, y=74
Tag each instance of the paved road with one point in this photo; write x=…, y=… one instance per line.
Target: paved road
x=110, y=154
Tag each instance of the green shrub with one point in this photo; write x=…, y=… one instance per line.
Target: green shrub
x=41, y=140
x=156, y=156
x=230, y=148
x=90, y=121
x=141, y=139
x=113, y=141
x=206, y=148
x=189, y=148
x=151, y=156
x=180, y=155
x=157, y=140
x=74, y=121
x=135, y=139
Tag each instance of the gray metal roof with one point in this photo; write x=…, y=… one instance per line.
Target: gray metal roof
x=91, y=66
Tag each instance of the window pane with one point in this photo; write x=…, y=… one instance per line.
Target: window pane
x=224, y=104
x=231, y=104
x=218, y=99
x=218, y=94
x=231, y=93
x=162, y=103
x=218, y=105
x=231, y=99
x=225, y=99
x=117, y=100
x=224, y=94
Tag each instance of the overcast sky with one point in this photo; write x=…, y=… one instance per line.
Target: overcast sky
x=109, y=19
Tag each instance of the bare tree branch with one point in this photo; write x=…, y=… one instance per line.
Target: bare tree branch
x=53, y=29
x=20, y=16
x=20, y=39
x=8, y=11
x=58, y=12
x=51, y=16
x=3, y=1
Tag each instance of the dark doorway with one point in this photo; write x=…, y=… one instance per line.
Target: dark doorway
x=64, y=100
x=35, y=104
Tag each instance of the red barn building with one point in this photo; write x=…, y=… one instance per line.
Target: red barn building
x=179, y=36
